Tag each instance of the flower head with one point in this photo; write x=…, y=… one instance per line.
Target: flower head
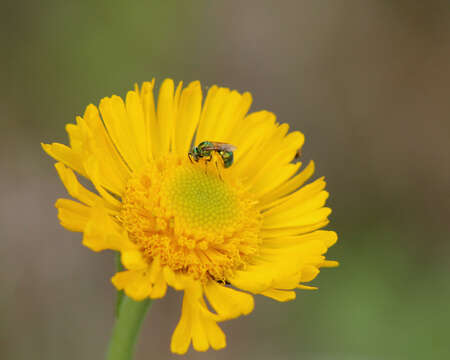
x=217, y=229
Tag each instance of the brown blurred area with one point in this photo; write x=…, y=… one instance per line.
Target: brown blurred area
x=367, y=82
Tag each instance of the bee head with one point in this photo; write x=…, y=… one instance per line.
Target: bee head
x=194, y=153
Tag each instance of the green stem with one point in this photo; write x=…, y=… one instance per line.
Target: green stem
x=126, y=328
x=120, y=293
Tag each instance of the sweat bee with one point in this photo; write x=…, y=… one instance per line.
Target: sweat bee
x=206, y=148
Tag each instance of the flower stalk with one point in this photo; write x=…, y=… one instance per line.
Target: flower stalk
x=120, y=293
x=126, y=329
x=129, y=317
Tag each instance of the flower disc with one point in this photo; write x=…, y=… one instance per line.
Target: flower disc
x=191, y=219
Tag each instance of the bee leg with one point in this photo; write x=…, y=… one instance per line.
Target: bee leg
x=207, y=160
x=218, y=171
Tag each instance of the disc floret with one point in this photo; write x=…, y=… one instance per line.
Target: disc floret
x=190, y=219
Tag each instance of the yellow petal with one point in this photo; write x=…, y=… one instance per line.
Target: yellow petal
x=157, y=279
x=226, y=116
x=142, y=280
x=327, y=237
x=292, y=231
x=92, y=166
x=296, y=198
x=88, y=138
x=188, y=116
x=216, y=337
x=116, y=120
x=148, y=106
x=160, y=285
x=135, y=283
x=66, y=155
x=223, y=115
x=304, y=287
x=272, y=179
x=199, y=337
x=289, y=186
x=309, y=273
x=73, y=215
x=313, y=203
x=166, y=114
x=138, y=124
x=181, y=337
x=196, y=324
x=215, y=101
x=102, y=233
x=253, y=279
x=281, y=268
x=113, y=172
x=302, y=250
x=252, y=140
x=279, y=295
x=308, y=219
x=133, y=260
x=276, y=167
x=176, y=280
x=227, y=302
x=73, y=186
x=329, y=264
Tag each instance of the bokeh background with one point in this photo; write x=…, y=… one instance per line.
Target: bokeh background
x=368, y=82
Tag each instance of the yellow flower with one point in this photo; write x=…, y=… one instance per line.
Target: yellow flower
x=195, y=225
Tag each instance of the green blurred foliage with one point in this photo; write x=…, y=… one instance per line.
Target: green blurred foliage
x=62, y=55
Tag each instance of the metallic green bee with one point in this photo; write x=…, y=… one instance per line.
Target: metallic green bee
x=206, y=148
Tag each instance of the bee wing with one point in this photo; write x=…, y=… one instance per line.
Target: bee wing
x=222, y=146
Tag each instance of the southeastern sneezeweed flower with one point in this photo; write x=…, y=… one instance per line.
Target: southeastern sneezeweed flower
x=218, y=234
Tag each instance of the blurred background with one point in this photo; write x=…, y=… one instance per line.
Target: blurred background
x=367, y=82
